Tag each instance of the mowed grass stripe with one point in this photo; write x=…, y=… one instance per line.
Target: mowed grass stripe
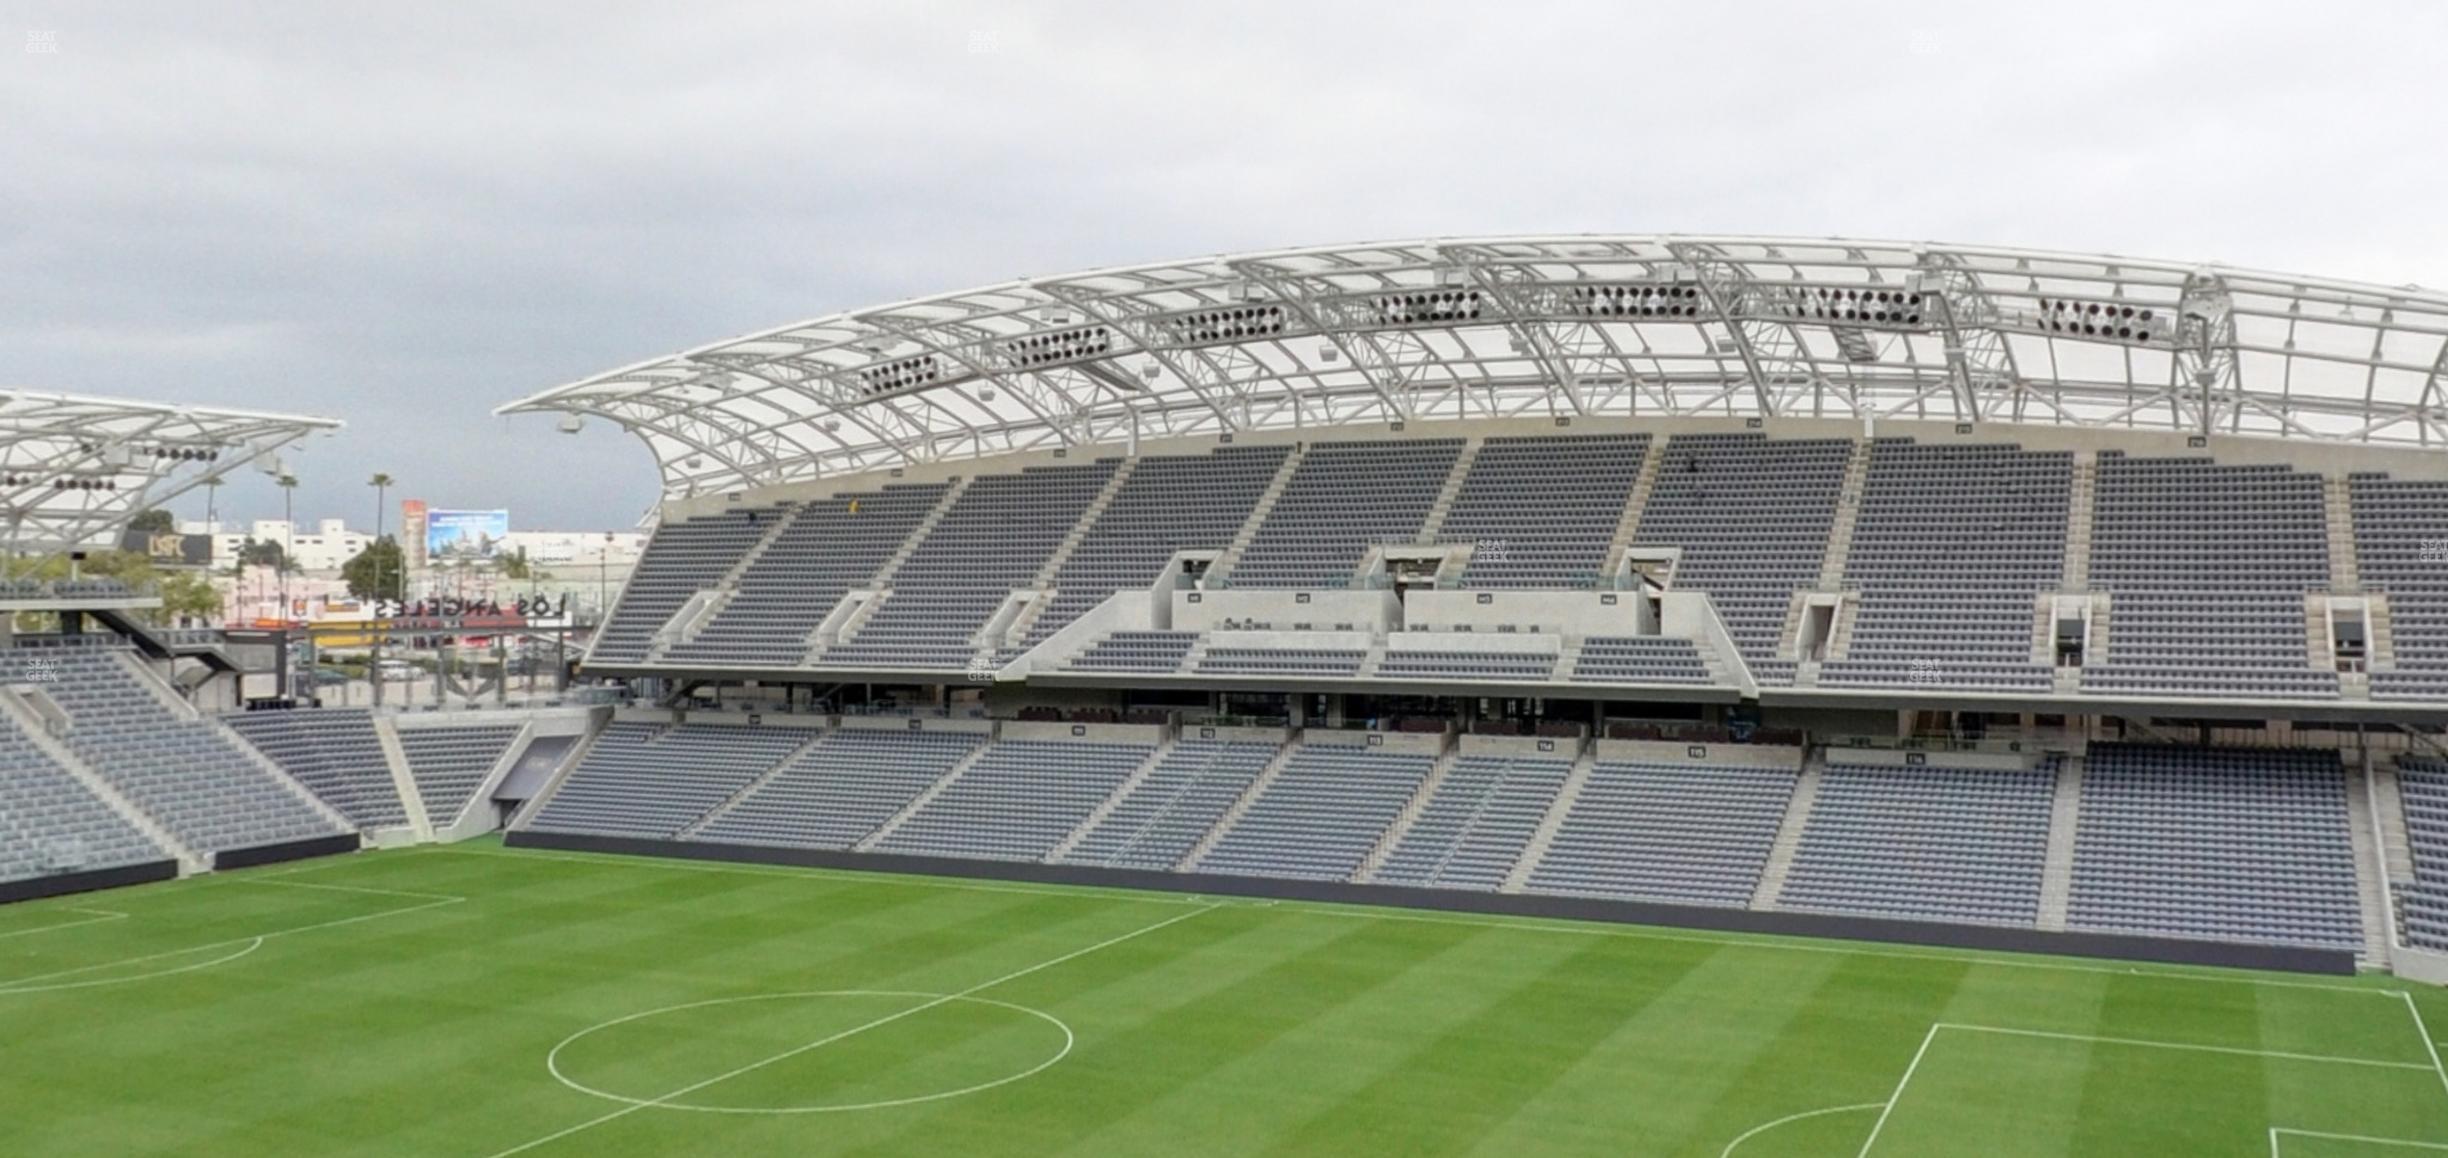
x=1399, y=988
x=1164, y=1016
x=1284, y=1029
x=1662, y=1068
x=1831, y=1053
x=1467, y=1082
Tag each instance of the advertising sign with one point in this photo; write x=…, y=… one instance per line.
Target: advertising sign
x=461, y=536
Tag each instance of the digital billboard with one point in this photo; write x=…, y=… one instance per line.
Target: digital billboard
x=458, y=536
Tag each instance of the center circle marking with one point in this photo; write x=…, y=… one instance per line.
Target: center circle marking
x=552, y=1060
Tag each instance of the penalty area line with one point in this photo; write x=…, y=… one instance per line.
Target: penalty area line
x=251, y=942
x=2277, y=1132
x=95, y=917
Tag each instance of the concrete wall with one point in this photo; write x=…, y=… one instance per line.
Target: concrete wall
x=1366, y=610
x=1149, y=734
x=1415, y=743
x=1507, y=641
x=1537, y=747
x=1720, y=755
x=1564, y=612
x=1982, y=937
x=1891, y=758
x=918, y=724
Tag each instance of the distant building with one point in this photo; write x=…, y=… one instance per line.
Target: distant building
x=329, y=544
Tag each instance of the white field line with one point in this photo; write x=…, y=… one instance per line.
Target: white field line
x=2323, y=1059
x=819, y=1043
x=97, y=917
x=2429, y=1046
x=1364, y=913
x=2277, y=1132
x=2237, y=1051
x=1764, y=1127
x=253, y=941
x=1889, y=1106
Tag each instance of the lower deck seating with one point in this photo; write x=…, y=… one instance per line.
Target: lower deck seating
x=649, y=780
x=1474, y=828
x=50, y=823
x=1946, y=844
x=2423, y=902
x=842, y=788
x=1164, y=816
x=1680, y=833
x=192, y=776
x=450, y=764
x=1017, y=801
x=1321, y=816
x=2228, y=844
x=335, y=754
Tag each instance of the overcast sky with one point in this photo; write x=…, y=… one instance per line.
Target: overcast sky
x=402, y=215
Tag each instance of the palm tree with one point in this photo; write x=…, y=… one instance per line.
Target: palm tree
x=381, y=483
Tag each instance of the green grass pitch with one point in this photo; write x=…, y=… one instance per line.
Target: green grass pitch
x=483, y=1002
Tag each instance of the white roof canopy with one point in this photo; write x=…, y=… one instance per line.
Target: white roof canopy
x=1464, y=328
x=74, y=468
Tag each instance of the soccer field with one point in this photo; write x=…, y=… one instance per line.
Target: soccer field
x=486, y=1002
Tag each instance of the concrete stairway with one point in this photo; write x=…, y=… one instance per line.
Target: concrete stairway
x=1550, y=824
x=2044, y=629
x=1240, y=807
x=1840, y=637
x=723, y=592
x=952, y=774
x=403, y=778
x=1848, y=511
x=1410, y=814
x=1789, y=832
x=1446, y=494
x=2345, y=577
x=1258, y=513
x=1079, y=530
x=752, y=787
x=2057, y=868
x=918, y=534
x=1789, y=636
x=1628, y=526
x=1105, y=807
x=2379, y=925
x=2388, y=802
x=2078, y=521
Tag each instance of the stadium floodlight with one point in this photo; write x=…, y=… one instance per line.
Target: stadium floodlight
x=1328, y=353
x=1151, y=372
x=572, y=423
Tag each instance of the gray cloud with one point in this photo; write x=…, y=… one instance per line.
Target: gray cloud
x=403, y=215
